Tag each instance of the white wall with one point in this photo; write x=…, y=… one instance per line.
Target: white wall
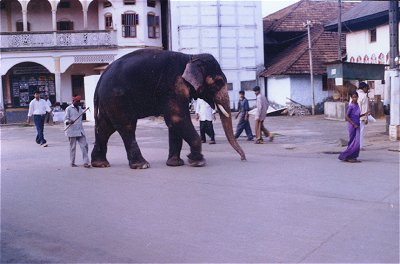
x=358, y=43
x=231, y=31
x=90, y=87
x=301, y=90
x=278, y=89
x=297, y=88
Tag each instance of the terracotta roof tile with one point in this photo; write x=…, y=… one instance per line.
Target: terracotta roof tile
x=291, y=18
x=295, y=59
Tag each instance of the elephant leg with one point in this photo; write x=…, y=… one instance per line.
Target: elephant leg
x=189, y=134
x=175, y=147
x=103, y=131
x=135, y=158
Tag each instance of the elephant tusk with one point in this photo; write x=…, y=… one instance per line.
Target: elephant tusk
x=223, y=110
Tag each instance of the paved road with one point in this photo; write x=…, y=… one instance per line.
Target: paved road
x=292, y=201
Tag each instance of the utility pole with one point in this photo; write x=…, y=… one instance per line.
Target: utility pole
x=394, y=128
x=340, y=30
x=308, y=25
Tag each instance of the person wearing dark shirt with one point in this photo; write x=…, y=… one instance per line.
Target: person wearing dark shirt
x=243, y=113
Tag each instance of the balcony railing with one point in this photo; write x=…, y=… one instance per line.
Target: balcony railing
x=57, y=40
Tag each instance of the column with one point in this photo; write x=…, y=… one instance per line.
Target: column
x=57, y=77
x=394, y=128
x=25, y=18
x=54, y=19
x=1, y=93
x=85, y=14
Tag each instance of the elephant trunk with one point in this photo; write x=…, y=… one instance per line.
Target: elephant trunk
x=223, y=105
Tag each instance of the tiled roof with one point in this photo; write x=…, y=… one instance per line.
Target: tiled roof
x=291, y=18
x=295, y=59
x=362, y=11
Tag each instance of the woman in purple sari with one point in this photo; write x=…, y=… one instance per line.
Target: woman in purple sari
x=353, y=123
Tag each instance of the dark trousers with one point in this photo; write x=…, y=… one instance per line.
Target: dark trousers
x=39, y=123
x=206, y=127
x=244, y=125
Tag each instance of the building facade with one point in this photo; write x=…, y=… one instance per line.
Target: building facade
x=54, y=45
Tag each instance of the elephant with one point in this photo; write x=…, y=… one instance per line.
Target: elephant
x=151, y=82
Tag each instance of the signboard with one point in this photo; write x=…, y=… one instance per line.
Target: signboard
x=356, y=71
x=23, y=87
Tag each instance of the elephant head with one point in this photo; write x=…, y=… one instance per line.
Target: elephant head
x=204, y=74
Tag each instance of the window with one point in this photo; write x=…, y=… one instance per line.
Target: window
x=247, y=85
x=153, y=22
x=64, y=4
x=107, y=4
x=129, y=2
x=373, y=58
x=328, y=84
x=20, y=26
x=129, y=22
x=366, y=59
x=359, y=59
x=108, y=21
x=65, y=25
x=151, y=3
x=352, y=59
x=372, y=35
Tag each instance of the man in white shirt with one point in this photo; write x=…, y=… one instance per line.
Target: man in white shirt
x=206, y=115
x=75, y=132
x=38, y=109
x=49, y=118
x=363, y=103
x=262, y=107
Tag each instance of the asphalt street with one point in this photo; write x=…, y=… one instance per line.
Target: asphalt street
x=291, y=201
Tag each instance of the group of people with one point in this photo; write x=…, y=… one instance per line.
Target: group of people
x=356, y=117
x=205, y=114
x=39, y=109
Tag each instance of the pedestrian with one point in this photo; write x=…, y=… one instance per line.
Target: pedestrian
x=243, y=112
x=206, y=115
x=49, y=118
x=261, y=112
x=352, y=117
x=363, y=103
x=38, y=109
x=74, y=131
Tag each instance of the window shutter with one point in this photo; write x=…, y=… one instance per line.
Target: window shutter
x=136, y=19
x=157, y=21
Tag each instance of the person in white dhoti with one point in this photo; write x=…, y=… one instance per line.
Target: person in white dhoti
x=74, y=131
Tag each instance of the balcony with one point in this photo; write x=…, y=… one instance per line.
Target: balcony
x=57, y=40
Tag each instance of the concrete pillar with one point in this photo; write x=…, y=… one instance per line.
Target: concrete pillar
x=1, y=93
x=394, y=128
x=25, y=20
x=54, y=19
x=57, y=77
x=85, y=7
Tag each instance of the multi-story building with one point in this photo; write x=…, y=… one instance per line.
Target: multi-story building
x=52, y=45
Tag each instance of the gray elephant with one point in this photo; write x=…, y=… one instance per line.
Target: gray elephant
x=152, y=82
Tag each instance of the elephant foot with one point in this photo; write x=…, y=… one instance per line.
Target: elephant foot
x=100, y=164
x=197, y=163
x=139, y=165
x=175, y=161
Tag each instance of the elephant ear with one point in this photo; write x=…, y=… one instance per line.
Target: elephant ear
x=193, y=75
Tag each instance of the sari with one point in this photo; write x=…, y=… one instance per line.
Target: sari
x=353, y=148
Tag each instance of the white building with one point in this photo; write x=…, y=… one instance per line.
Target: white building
x=52, y=45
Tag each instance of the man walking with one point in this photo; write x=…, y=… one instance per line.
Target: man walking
x=38, y=109
x=243, y=112
x=261, y=112
x=206, y=115
x=363, y=103
x=75, y=132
